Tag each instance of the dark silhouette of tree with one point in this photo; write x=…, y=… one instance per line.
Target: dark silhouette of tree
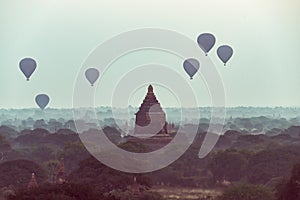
x=103, y=178
x=272, y=163
x=247, y=192
x=229, y=165
x=8, y=132
x=4, y=144
x=60, y=192
x=290, y=189
x=18, y=173
x=40, y=124
x=73, y=153
x=134, y=147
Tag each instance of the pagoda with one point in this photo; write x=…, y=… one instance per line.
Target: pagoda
x=135, y=186
x=61, y=177
x=150, y=118
x=32, y=183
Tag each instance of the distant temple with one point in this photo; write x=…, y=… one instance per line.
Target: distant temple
x=61, y=177
x=135, y=186
x=150, y=118
x=32, y=183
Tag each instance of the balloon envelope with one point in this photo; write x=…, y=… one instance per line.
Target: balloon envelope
x=191, y=66
x=27, y=66
x=224, y=53
x=206, y=41
x=92, y=75
x=42, y=100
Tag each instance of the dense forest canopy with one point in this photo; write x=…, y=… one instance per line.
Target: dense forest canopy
x=255, y=155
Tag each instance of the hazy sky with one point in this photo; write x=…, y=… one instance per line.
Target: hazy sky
x=60, y=34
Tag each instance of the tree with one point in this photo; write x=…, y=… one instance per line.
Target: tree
x=73, y=153
x=128, y=195
x=272, y=163
x=8, y=132
x=40, y=123
x=18, y=173
x=247, y=192
x=228, y=165
x=134, y=147
x=41, y=154
x=60, y=192
x=52, y=167
x=103, y=178
x=4, y=144
x=290, y=189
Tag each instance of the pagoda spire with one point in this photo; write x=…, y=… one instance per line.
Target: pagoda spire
x=32, y=183
x=150, y=89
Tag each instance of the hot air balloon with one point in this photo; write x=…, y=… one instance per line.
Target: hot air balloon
x=206, y=41
x=92, y=75
x=27, y=66
x=191, y=66
x=42, y=100
x=224, y=53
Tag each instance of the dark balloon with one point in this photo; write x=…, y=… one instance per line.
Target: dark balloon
x=42, y=100
x=225, y=52
x=92, y=75
x=191, y=66
x=27, y=66
x=206, y=41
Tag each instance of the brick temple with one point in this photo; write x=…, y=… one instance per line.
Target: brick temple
x=159, y=133
x=150, y=118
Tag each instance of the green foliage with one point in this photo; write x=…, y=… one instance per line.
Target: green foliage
x=128, y=195
x=103, y=178
x=290, y=189
x=134, y=147
x=247, y=192
x=60, y=192
x=71, y=191
x=229, y=165
x=18, y=173
x=233, y=165
x=41, y=137
x=4, y=144
x=272, y=163
x=52, y=166
x=8, y=131
x=72, y=153
x=41, y=154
